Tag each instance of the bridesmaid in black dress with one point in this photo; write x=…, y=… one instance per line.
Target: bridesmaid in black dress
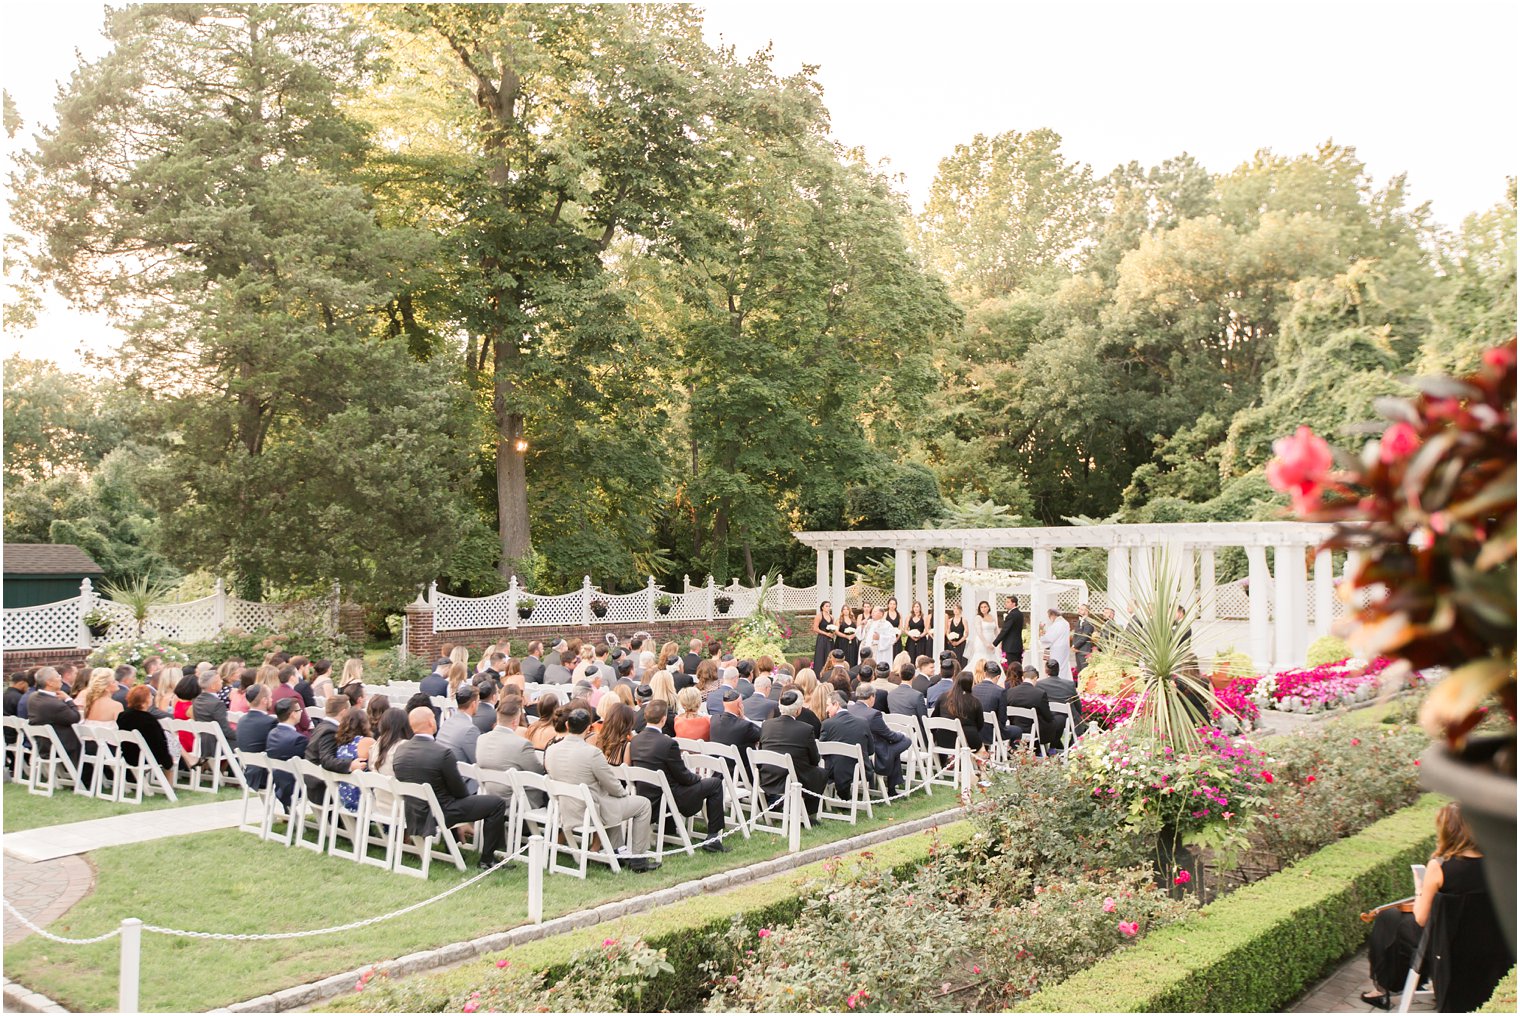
x=824, y=630
x=955, y=634
x=921, y=644
x=846, y=638
x=893, y=616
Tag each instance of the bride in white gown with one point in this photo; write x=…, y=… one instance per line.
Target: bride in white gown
x=981, y=630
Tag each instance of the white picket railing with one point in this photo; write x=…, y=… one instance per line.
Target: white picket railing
x=60, y=625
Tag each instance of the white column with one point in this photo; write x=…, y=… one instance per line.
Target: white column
x=1210, y=609
x=982, y=557
x=1187, y=564
x=1142, y=572
x=921, y=580
x=1118, y=582
x=1259, y=589
x=968, y=558
x=1324, y=593
x=823, y=585
x=1039, y=602
x=902, y=586
x=941, y=619
x=836, y=576
x=1289, y=628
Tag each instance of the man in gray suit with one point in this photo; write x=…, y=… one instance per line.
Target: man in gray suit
x=760, y=707
x=459, y=732
x=504, y=748
x=533, y=663
x=572, y=760
x=555, y=671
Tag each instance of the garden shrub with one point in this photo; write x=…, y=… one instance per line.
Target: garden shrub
x=1338, y=779
x=1260, y=947
x=1234, y=664
x=1106, y=674
x=1327, y=649
x=307, y=637
x=395, y=667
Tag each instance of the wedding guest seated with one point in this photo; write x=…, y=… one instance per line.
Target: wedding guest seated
x=960, y=705
x=787, y=734
x=730, y=727
x=846, y=728
x=136, y=717
x=992, y=698
x=485, y=715
x=572, y=760
x=1060, y=689
x=208, y=707
x=253, y=732
x=541, y=731
x=49, y=707
x=690, y=723
x=459, y=731
x=1025, y=693
x=887, y=745
x=651, y=749
x=285, y=742
x=96, y=704
x=423, y=760
x=760, y=707
x=504, y=747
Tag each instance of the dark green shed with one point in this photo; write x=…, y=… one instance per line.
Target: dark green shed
x=46, y=572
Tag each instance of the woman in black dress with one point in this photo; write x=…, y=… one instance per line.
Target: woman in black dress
x=961, y=705
x=955, y=634
x=922, y=643
x=1467, y=957
x=893, y=616
x=824, y=630
x=847, y=637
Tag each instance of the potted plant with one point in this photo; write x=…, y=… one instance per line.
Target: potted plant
x=599, y=607
x=525, y=607
x=139, y=595
x=1430, y=506
x=723, y=602
x=98, y=622
x=664, y=602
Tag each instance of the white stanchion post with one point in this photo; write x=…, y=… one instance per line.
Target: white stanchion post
x=537, y=859
x=131, y=962
x=793, y=816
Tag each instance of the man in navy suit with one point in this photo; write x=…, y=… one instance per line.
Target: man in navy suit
x=435, y=685
x=887, y=745
x=844, y=727
x=285, y=742
x=253, y=732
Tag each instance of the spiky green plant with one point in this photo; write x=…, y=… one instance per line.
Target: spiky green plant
x=1157, y=646
x=139, y=595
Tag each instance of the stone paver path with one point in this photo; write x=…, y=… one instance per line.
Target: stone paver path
x=1342, y=990
x=51, y=842
x=43, y=891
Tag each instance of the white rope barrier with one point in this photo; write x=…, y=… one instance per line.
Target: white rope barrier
x=18, y=915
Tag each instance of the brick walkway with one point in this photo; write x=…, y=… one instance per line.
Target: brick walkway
x=43, y=891
x=1342, y=990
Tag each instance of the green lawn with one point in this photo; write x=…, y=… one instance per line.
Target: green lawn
x=23, y=810
x=232, y=882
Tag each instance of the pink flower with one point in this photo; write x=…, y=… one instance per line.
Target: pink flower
x=470, y=1006
x=1129, y=929
x=1109, y=906
x=1399, y=442
x=606, y=942
x=1308, y=779
x=1266, y=776
x=1355, y=741
x=501, y=964
x=764, y=933
x=1499, y=358
x=1183, y=878
x=975, y=969
x=1299, y=468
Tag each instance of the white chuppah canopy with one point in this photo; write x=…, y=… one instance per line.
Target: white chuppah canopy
x=976, y=584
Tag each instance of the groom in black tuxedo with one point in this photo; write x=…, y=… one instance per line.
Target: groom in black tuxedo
x=1010, y=637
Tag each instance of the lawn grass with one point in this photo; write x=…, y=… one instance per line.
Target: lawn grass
x=232, y=882
x=23, y=810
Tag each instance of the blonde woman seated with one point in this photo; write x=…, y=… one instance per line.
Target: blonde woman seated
x=689, y=721
x=95, y=703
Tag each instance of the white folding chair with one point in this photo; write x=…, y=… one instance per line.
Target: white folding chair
x=380, y=809
x=17, y=748
x=445, y=706
x=1068, y=736
x=742, y=776
x=295, y=812
x=255, y=766
x=338, y=822
x=760, y=806
x=207, y=733
x=44, y=764
x=832, y=806
x=581, y=836
x=524, y=812
x=916, y=762
x=710, y=765
x=997, y=746
x=1030, y=740
x=147, y=777
x=667, y=809
x=440, y=843
x=944, y=763
x=96, y=760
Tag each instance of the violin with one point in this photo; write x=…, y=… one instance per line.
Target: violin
x=1406, y=906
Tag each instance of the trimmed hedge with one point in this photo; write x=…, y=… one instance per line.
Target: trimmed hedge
x=691, y=931
x=1257, y=949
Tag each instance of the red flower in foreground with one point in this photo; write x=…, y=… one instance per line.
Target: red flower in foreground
x=1299, y=467
x=1399, y=442
x=1266, y=776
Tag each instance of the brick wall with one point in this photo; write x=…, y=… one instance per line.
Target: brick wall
x=424, y=643
x=26, y=659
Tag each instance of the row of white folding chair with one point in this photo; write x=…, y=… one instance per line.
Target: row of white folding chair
x=524, y=817
x=102, y=759
x=635, y=776
x=44, y=757
x=1032, y=740
x=17, y=748
x=761, y=807
x=1068, y=735
x=738, y=769
x=585, y=841
x=944, y=763
x=204, y=732
x=997, y=746
x=704, y=764
x=831, y=805
x=372, y=823
x=917, y=763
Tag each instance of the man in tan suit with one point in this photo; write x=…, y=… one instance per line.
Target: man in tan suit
x=572, y=760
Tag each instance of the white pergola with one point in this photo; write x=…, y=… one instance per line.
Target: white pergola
x=1037, y=594
x=1279, y=591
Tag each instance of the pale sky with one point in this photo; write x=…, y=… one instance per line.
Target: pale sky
x=1422, y=88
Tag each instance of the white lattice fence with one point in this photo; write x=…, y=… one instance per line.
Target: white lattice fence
x=451, y=613
x=45, y=626
x=799, y=600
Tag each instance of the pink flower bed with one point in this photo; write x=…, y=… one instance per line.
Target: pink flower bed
x=1109, y=711
x=1327, y=685
x=1234, y=699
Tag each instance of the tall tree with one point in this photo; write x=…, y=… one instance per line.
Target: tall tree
x=571, y=127
x=200, y=186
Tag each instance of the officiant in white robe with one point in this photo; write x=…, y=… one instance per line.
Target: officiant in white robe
x=1057, y=641
x=880, y=635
